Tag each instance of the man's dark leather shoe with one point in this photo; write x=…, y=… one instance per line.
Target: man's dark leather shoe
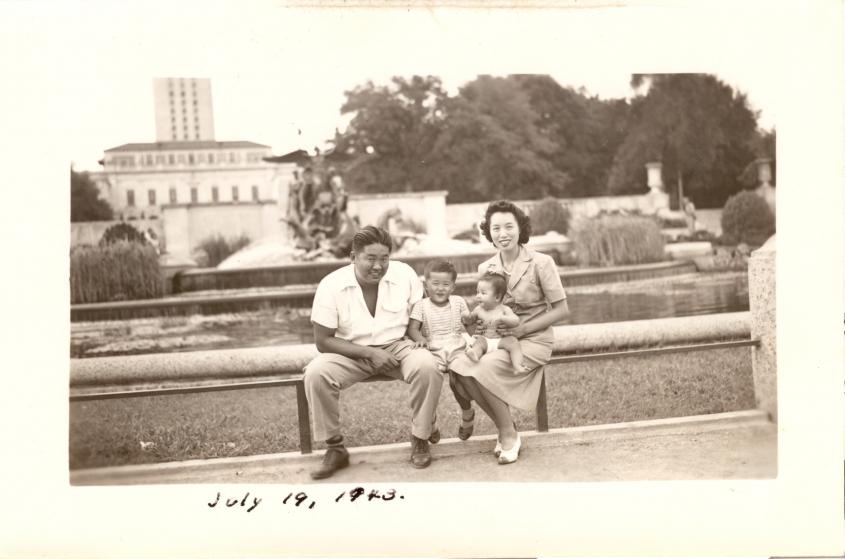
x=336, y=458
x=420, y=455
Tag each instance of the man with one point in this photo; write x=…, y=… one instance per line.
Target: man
x=360, y=315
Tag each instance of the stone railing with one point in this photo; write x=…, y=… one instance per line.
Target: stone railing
x=230, y=369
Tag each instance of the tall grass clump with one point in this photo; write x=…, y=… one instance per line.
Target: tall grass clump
x=548, y=215
x=747, y=218
x=611, y=240
x=213, y=250
x=116, y=271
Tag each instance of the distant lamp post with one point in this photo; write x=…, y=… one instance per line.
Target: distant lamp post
x=655, y=176
x=764, y=175
x=658, y=199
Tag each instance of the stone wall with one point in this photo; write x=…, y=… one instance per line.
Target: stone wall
x=427, y=209
x=460, y=217
x=187, y=225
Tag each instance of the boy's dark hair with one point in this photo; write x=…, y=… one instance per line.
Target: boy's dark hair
x=497, y=282
x=371, y=235
x=506, y=206
x=440, y=266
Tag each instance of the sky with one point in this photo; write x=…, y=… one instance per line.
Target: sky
x=278, y=74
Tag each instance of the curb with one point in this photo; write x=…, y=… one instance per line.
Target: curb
x=153, y=473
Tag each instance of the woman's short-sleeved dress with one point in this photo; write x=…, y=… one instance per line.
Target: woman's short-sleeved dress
x=533, y=285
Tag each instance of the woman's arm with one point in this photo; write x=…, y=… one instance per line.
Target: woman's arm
x=509, y=319
x=559, y=311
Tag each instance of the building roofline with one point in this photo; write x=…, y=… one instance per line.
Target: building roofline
x=185, y=145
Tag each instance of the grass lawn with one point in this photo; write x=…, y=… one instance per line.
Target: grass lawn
x=244, y=422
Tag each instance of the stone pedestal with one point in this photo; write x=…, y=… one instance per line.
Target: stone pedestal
x=761, y=292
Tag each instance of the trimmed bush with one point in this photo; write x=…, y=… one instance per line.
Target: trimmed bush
x=122, y=232
x=747, y=219
x=116, y=271
x=616, y=239
x=214, y=250
x=548, y=215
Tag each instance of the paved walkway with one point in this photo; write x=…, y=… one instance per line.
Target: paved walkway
x=737, y=445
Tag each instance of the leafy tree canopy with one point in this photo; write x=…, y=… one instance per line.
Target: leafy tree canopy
x=700, y=129
x=85, y=201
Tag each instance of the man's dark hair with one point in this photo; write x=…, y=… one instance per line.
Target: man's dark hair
x=441, y=266
x=371, y=235
x=506, y=206
x=497, y=282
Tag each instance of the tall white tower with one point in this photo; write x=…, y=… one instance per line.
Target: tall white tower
x=183, y=109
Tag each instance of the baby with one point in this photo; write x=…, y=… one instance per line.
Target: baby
x=437, y=323
x=490, y=313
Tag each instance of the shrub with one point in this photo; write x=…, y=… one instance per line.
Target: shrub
x=548, y=215
x=121, y=232
x=214, y=250
x=116, y=271
x=748, y=219
x=613, y=240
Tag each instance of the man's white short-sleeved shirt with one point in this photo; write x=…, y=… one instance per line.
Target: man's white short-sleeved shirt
x=339, y=305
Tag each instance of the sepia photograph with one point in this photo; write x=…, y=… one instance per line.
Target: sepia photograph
x=498, y=280
x=559, y=279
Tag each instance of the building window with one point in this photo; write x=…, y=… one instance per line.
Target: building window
x=172, y=195
x=211, y=158
x=130, y=197
x=194, y=196
x=255, y=193
x=214, y=194
x=151, y=195
x=191, y=158
x=170, y=158
x=232, y=157
x=235, y=193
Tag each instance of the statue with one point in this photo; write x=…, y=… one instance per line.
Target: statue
x=317, y=202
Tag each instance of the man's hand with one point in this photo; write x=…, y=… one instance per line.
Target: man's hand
x=420, y=344
x=380, y=360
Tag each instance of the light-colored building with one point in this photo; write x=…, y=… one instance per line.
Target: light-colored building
x=140, y=178
x=183, y=110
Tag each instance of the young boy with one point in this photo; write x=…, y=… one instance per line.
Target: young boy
x=437, y=323
x=491, y=312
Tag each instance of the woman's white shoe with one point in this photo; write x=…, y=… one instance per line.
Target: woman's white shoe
x=510, y=456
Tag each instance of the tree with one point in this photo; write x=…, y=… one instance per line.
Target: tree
x=480, y=144
x=700, y=129
x=85, y=201
x=391, y=133
x=586, y=130
x=490, y=146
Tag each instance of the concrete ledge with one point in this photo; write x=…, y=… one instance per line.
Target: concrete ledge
x=174, y=472
x=266, y=363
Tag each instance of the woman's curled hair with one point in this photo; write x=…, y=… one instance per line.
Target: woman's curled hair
x=506, y=206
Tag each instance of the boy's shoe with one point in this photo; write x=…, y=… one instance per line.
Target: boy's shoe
x=465, y=430
x=420, y=454
x=434, y=438
x=335, y=458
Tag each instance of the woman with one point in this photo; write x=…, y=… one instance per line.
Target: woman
x=536, y=295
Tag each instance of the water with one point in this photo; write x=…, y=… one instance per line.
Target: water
x=690, y=294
